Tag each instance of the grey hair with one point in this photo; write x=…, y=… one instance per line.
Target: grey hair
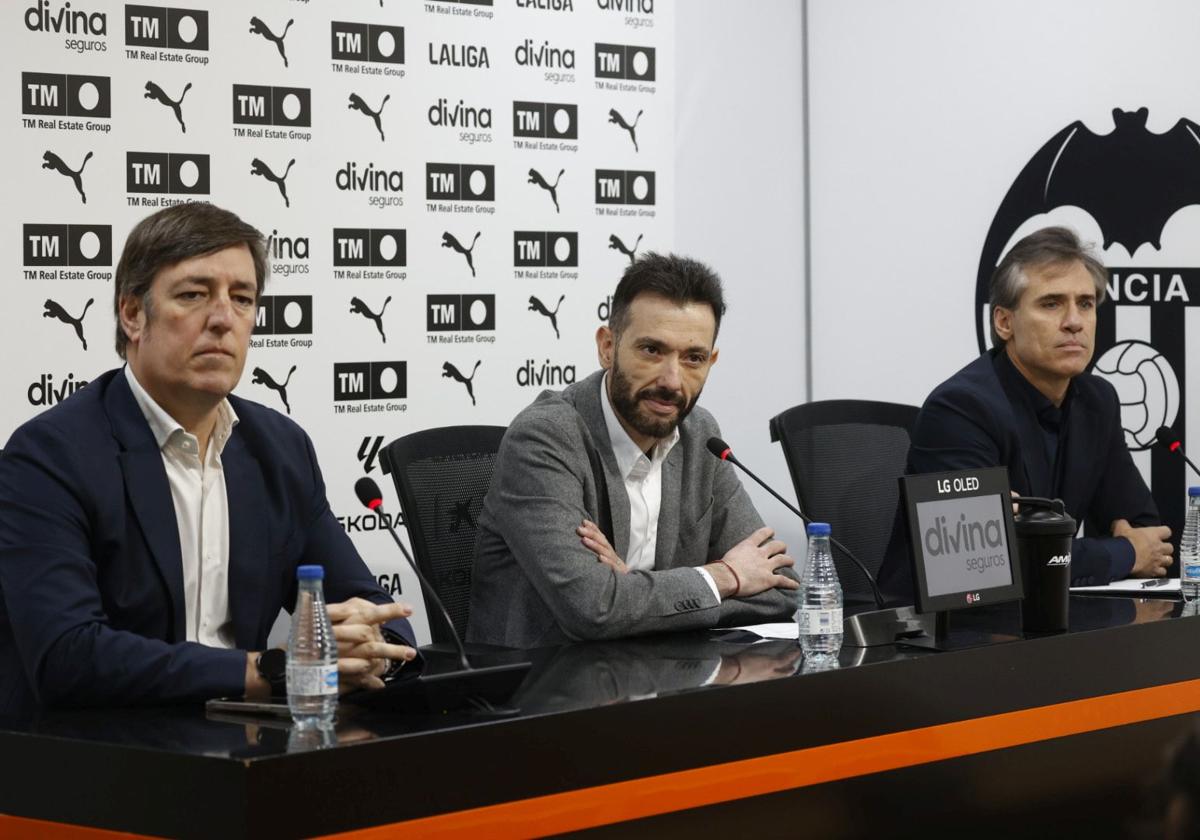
x=1050, y=246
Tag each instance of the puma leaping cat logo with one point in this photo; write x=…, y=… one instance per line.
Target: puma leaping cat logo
x=257, y=27
x=535, y=177
x=257, y=167
x=53, y=161
x=615, y=243
x=261, y=377
x=536, y=305
x=615, y=117
x=462, y=514
x=357, y=307
x=55, y=310
x=449, y=371
x=448, y=241
x=357, y=104
x=156, y=93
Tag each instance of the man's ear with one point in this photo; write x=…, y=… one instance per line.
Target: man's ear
x=606, y=346
x=1002, y=322
x=133, y=318
x=712, y=357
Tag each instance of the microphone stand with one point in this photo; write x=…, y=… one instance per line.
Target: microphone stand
x=882, y=626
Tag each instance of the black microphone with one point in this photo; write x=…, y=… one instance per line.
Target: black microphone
x=369, y=494
x=1167, y=437
x=724, y=451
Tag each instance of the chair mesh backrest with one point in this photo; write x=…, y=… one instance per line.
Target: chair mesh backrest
x=442, y=476
x=845, y=457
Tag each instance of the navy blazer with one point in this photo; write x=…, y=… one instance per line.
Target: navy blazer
x=91, y=575
x=971, y=420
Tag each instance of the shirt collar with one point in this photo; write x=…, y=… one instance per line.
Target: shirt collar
x=164, y=427
x=628, y=453
x=1048, y=414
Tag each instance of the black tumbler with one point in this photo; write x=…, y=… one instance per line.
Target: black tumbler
x=1044, y=534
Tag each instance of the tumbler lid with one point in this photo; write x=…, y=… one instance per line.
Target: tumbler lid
x=1037, y=517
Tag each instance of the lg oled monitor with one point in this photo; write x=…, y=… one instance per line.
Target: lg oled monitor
x=964, y=544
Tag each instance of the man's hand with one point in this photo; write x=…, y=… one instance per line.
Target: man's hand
x=363, y=654
x=1151, y=549
x=751, y=566
x=593, y=540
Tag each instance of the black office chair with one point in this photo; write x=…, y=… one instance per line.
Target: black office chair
x=441, y=477
x=845, y=457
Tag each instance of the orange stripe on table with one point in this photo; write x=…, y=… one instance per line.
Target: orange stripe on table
x=652, y=795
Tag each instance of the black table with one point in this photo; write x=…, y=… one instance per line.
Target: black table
x=685, y=735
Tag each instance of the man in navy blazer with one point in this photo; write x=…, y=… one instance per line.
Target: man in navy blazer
x=151, y=525
x=1028, y=405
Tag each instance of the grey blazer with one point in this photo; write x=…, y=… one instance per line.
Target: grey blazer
x=534, y=584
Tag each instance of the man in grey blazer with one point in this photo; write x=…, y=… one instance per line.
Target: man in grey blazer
x=607, y=516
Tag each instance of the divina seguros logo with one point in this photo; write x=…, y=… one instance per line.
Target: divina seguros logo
x=61, y=18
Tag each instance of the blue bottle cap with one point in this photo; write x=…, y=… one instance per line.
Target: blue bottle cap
x=1194, y=491
x=310, y=572
x=819, y=529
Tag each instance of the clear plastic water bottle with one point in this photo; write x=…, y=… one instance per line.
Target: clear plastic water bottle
x=820, y=614
x=312, y=677
x=1189, y=548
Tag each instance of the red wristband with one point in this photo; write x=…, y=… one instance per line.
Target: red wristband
x=736, y=580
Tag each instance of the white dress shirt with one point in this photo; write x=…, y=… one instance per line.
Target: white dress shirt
x=643, y=484
x=201, y=514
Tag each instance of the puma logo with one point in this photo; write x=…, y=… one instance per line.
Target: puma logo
x=55, y=310
x=156, y=93
x=257, y=27
x=261, y=377
x=615, y=117
x=257, y=167
x=536, y=305
x=53, y=161
x=461, y=514
x=615, y=243
x=357, y=104
x=535, y=177
x=357, y=307
x=448, y=241
x=449, y=371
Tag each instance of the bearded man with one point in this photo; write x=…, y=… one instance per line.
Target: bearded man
x=607, y=516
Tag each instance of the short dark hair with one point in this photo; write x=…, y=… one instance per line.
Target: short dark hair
x=175, y=234
x=678, y=279
x=1052, y=246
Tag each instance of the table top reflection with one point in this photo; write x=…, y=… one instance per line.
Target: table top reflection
x=563, y=680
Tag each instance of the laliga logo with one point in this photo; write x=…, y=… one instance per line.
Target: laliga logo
x=1059, y=560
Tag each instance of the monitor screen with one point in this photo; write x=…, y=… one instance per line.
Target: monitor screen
x=963, y=538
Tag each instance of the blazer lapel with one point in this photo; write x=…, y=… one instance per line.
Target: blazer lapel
x=587, y=403
x=668, y=516
x=249, y=543
x=149, y=493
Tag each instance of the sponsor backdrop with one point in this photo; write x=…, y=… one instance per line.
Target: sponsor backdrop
x=952, y=130
x=450, y=190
